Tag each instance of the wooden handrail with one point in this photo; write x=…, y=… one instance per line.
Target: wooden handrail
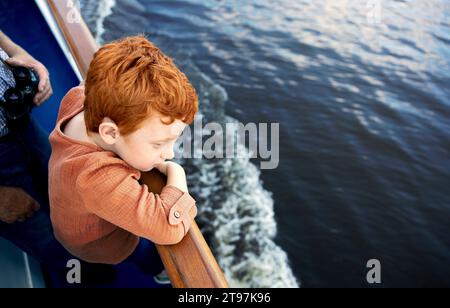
x=190, y=263
x=76, y=33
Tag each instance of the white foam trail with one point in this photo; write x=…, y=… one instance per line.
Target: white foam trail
x=243, y=225
x=95, y=13
x=104, y=10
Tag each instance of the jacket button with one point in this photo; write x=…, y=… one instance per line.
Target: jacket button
x=176, y=214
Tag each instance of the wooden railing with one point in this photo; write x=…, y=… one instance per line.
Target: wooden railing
x=190, y=263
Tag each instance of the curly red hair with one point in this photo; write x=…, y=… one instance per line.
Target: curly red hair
x=130, y=78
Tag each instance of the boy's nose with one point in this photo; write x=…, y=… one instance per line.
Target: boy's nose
x=168, y=155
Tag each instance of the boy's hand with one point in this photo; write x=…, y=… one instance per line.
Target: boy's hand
x=175, y=175
x=16, y=205
x=165, y=166
x=162, y=168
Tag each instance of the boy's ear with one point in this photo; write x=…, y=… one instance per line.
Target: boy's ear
x=109, y=131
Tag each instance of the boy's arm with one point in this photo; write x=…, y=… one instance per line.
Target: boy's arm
x=113, y=193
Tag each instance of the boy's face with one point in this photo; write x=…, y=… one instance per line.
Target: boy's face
x=150, y=145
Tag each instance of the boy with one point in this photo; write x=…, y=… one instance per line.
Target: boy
x=126, y=118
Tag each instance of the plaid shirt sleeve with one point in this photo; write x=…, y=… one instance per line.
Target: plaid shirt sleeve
x=6, y=82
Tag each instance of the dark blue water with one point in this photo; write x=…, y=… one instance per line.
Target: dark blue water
x=364, y=109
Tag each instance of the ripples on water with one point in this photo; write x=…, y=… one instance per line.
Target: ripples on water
x=364, y=110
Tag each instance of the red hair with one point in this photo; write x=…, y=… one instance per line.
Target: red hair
x=130, y=78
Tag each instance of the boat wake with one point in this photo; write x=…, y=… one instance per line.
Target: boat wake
x=95, y=13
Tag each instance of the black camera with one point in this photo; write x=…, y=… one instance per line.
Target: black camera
x=18, y=101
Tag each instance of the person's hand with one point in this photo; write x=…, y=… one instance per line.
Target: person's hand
x=176, y=175
x=164, y=166
x=16, y=205
x=45, y=88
